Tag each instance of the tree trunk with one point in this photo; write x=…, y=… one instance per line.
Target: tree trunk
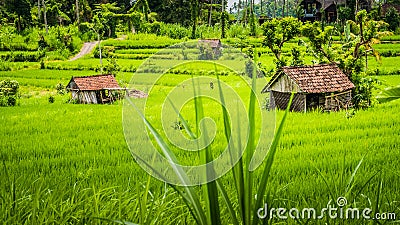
x=210, y=13
x=283, y=8
x=261, y=7
x=223, y=19
x=38, y=11
x=195, y=6
x=287, y=7
x=245, y=12
x=275, y=8
x=19, y=23
x=77, y=11
x=45, y=17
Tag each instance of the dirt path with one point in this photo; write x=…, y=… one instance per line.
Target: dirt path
x=86, y=49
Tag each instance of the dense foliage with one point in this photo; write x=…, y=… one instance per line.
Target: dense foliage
x=8, y=92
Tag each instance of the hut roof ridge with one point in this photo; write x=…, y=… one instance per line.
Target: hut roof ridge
x=321, y=78
x=96, y=82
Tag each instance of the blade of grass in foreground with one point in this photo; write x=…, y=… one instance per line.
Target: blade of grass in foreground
x=268, y=164
x=189, y=194
x=210, y=189
x=231, y=147
x=250, y=148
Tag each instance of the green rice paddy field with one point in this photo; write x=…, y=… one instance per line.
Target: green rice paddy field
x=69, y=163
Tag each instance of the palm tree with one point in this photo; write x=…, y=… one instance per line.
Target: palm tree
x=144, y=4
x=245, y=11
x=195, y=8
x=45, y=17
x=38, y=11
x=223, y=19
x=77, y=10
x=238, y=11
x=210, y=13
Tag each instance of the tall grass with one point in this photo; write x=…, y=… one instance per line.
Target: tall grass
x=210, y=212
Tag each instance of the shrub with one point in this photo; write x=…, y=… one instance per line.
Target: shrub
x=60, y=88
x=22, y=56
x=106, y=51
x=51, y=99
x=174, y=31
x=8, y=92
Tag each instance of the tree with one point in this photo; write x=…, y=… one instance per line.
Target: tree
x=144, y=6
x=223, y=19
x=245, y=11
x=55, y=14
x=77, y=10
x=320, y=40
x=22, y=9
x=369, y=33
x=106, y=15
x=45, y=17
x=210, y=13
x=278, y=32
x=252, y=19
x=358, y=42
x=392, y=17
x=195, y=9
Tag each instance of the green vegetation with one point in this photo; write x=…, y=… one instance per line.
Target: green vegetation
x=65, y=163
x=73, y=164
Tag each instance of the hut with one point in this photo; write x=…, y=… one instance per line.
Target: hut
x=387, y=6
x=313, y=9
x=98, y=89
x=214, y=44
x=319, y=86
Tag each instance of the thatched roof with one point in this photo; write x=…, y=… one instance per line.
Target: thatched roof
x=323, y=78
x=93, y=83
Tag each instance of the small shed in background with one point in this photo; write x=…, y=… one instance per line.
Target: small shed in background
x=98, y=89
x=319, y=86
x=387, y=6
x=214, y=44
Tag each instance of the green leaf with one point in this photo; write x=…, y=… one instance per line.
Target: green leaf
x=189, y=195
x=268, y=164
x=389, y=94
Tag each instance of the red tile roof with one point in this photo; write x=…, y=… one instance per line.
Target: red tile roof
x=322, y=78
x=98, y=82
x=214, y=43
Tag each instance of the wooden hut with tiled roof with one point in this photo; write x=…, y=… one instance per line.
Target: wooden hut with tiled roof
x=214, y=44
x=98, y=89
x=313, y=9
x=319, y=86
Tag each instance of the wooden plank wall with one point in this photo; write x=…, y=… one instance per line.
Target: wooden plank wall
x=280, y=100
x=338, y=101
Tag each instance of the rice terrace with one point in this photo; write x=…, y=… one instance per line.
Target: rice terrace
x=199, y=112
